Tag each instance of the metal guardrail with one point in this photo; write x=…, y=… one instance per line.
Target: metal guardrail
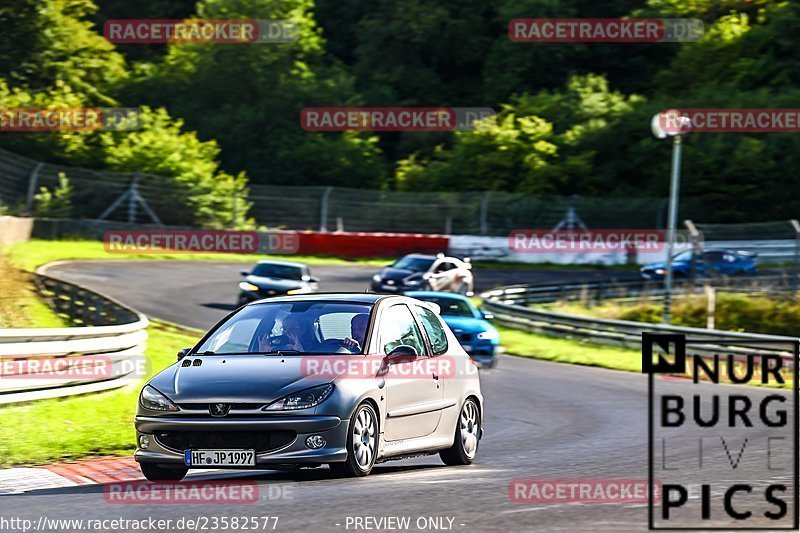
x=510, y=306
x=105, y=351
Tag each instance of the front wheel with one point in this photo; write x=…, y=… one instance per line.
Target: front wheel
x=156, y=473
x=362, y=443
x=468, y=432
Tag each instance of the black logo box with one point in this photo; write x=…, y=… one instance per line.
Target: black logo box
x=675, y=345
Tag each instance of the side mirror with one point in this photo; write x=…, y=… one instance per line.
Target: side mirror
x=314, y=279
x=244, y=272
x=487, y=316
x=427, y=275
x=183, y=353
x=402, y=354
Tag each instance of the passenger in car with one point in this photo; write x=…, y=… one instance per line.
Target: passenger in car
x=358, y=332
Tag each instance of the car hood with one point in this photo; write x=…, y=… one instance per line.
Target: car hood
x=274, y=283
x=397, y=274
x=467, y=324
x=240, y=378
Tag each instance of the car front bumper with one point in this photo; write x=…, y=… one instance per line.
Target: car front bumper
x=332, y=428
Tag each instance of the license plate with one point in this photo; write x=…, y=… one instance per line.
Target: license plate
x=220, y=458
x=390, y=287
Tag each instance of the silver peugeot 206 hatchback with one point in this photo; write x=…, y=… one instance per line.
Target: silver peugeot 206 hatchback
x=346, y=380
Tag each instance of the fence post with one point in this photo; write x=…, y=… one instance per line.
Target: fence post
x=796, y=226
x=234, y=206
x=485, y=212
x=323, y=209
x=32, y=188
x=694, y=235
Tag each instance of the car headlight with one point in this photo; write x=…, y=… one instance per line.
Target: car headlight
x=302, y=399
x=488, y=335
x=155, y=401
x=376, y=278
x=660, y=271
x=247, y=286
x=301, y=290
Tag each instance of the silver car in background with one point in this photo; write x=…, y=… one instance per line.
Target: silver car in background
x=346, y=380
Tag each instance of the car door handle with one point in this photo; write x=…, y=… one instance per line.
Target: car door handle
x=436, y=376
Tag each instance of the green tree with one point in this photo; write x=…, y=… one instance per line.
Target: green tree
x=56, y=203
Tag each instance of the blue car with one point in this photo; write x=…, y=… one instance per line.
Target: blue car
x=707, y=264
x=471, y=327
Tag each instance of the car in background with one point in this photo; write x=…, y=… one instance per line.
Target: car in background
x=276, y=278
x=470, y=325
x=425, y=272
x=708, y=263
x=273, y=386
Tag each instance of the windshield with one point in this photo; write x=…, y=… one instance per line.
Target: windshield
x=417, y=264
x=683, y=256
x=451, y=306
x=290, y=328
x=272, y=270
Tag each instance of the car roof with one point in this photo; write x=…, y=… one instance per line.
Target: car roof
x=277, y=262
x=421, y=256
x=351, y=297
x=435, y=294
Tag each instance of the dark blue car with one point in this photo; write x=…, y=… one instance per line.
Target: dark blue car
x=475, y=334
x=707, y=264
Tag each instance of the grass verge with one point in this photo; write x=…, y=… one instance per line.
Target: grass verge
x=99, y=424
x=32, y=254
x=20, y=306
x=571, y=351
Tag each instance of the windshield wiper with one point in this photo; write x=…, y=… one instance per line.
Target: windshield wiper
x=280, y=352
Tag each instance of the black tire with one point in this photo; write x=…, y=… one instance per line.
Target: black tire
x=154, y=472
x=464, y=452
x=353, y=466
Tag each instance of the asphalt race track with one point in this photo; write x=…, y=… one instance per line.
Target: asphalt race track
x=199, y=294
x=543, y=420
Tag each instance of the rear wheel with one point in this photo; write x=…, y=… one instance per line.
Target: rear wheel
x=362, y=443
x=154, y=472
x=468, y=431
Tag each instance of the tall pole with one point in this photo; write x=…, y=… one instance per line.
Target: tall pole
x=674, y=191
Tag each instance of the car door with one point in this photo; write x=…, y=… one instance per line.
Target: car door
x=412, y=396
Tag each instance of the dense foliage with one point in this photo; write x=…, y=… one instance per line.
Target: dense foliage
x=572, y=118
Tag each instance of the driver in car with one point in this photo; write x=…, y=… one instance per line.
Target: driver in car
x=297, y=336
x=358, y=330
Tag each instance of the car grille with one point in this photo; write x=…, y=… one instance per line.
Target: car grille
x=260, y=441
x=465, y=337
x=234, y=406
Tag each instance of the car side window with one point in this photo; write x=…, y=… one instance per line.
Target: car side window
x=398, y=327
x=433, y=327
